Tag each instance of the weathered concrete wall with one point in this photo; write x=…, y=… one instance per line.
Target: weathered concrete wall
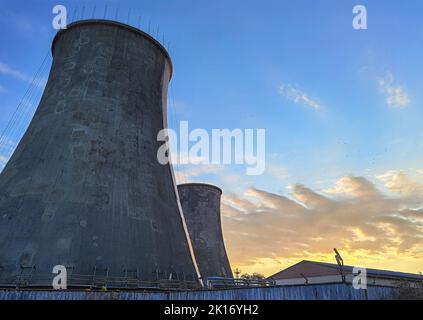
x=310, y=292
x=84, y=187
x=201, y=206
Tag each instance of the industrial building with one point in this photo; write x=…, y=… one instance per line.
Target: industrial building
x=311, y=272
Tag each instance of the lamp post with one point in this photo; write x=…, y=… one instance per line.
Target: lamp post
x=340, y=262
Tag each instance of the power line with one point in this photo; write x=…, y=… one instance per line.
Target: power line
x=92, y=16
x=23, y=106
x=139, y=22
x=82, y=12
x=29, y=107
x=105, y=11
x=129, y=16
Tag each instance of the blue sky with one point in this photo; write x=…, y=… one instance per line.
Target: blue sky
x=230, y=58
x=334, y=101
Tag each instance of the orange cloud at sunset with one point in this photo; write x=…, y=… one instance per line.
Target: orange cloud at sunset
x=375, y=227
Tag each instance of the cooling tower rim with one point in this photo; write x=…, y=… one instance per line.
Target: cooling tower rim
x=119, y=25
x=199, y=184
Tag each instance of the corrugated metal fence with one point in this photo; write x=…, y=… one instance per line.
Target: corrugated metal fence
x=309, y=292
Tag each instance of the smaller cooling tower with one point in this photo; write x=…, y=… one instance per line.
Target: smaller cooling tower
x=201, y=207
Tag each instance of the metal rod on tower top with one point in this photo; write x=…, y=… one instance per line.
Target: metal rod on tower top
x=74, y=14
x=129, y=16
x=105, y=11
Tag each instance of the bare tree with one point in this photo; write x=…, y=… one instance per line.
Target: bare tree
x=254, y=276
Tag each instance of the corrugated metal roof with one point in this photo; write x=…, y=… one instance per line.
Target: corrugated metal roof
x=316, y=269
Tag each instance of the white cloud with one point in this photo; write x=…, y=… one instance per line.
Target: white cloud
x=398, y=182
x=306, y=224
x=395, y=94
x=7, y=146
x=184, y=173
x=277, y=171
x=9, y=71
x=3, y=160
x=353, y=186
x=296, y=95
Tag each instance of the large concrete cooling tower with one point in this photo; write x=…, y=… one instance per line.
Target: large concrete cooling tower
x=84, y=188
x=201, y=206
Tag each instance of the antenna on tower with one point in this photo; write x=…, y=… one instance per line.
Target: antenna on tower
x=129, y=16
x=139, y=22
x=92, y=16
x=105, y=11
x=82, y=12
x=74, y=14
